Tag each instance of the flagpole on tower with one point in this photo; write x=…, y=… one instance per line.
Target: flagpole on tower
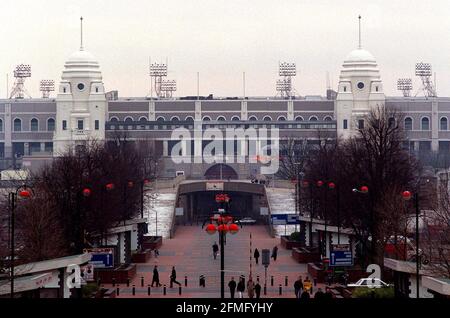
x=81, y=34
x=359, y=32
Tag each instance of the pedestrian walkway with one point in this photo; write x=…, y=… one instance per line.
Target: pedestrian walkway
x=190, y=251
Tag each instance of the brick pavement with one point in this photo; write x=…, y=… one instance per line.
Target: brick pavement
x=190, y=251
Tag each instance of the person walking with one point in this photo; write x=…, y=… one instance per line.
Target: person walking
x=241, y=287
x=275, y=253
x=232, y=286
x=319, y=294
x=257, y=289
x=328, y=293
x=155, y=278
x=298, y=287
x=256, y=255
x=250, y=288
x=305, y=295
x=215, y=248
x=173, y=277
x=307, y=285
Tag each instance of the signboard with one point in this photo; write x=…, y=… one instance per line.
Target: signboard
x=87, y=273
x=285, y=219
x=101, y=257
x=341, y=255
x=214, y=186
x=179, y=211
x=265, y=260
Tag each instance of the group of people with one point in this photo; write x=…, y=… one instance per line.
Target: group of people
x=303, y=290
x=253, y=289
x=173, y=277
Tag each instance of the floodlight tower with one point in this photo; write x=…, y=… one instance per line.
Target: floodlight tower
x=157, y=72
x=423, y=70
x=46, y=86
x=168, y=87
x=284, y=85
x=21, y=72
x=405, y=86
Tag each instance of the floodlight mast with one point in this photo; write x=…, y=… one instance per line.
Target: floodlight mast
x=423, y=70
x=405, y=86
x=284, y=85
x=168, y=87
x=46, y=86
x=157, y=72
x=21, y=72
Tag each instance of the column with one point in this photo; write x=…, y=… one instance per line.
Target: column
x=290, y=110
x=165, y=148
x=434, y=125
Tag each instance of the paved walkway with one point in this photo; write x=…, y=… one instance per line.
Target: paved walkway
x=191, y=254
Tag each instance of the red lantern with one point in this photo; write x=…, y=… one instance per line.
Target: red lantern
x=229, y=219
x=110, y=186
x=406, y=195
x=331, y=185
x=130, y=184
x=146, y=181
x=305, y=184
x=219, y=219
x=364, y=189
x=86, y=192
x=233, y=228
x=223, y=228
x=211, y=229
x=24, y=193
x=319, y=183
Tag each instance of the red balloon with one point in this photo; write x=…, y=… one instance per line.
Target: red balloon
x=364, y=189
x=319, y=183
x=86, y=192
x=211, y=229
x=110, y=186
x=233, y=228
x=331, y=185
x=406, y=195
x=130, y=184
x=24, y=194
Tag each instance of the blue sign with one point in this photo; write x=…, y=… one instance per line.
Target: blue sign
x=285, y=219
x=101, y=257
x=341, y=255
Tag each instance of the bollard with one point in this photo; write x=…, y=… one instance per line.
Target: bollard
x=164, y=290
x=179, y=290
x=265, y=289
x=128, y=282
x=171, y=283
x=311, y=290
x=280, y=290
x=142, y=281
x=271, y=280
x=148, y=290
x=98, y=282
x=185, y=281
x=315, y=281
x=133, y=290
x=114, y=282
x=285, y=281
x=117, y=290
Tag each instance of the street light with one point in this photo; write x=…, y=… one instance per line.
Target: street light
x=24, y=192
x=406, y=195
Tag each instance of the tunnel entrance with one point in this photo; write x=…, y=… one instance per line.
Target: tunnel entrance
x=221, y=171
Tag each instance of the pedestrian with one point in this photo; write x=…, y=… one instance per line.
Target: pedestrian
x=298, y=287
x=274, y=253
x=307, y=285
x=155, y=278
x=173, y=277
x=304, y=295
x=319, y=294
x=257, y=289
x=156, y=253
x=232, y=286
x=256, y=255
x=328, y=293
x=241, y=287
x=250, y=287
x=215, y=248
x=202, y=281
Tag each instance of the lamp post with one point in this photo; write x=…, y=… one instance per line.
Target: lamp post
x=407, y=196
x=365, y=190
x=23, y=192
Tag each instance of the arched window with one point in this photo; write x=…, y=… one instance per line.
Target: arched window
x=391, y=122
x=235, y=118
x=253, y=118
x=281, y=118
x=50, y=124
x=221, y=118
x=17, y=124
x=327, y=118
x=267, y=118
x=425, y=123
x=175, y=118
x=299, y=118
x=1, y=125
x=143, y=118
x=408, y=123
x=444, y=123
x=128, y=120
x=206, y=118
x=113, y=119
x=160, y=118
x=189, y=118
x=313, y=118
x=34, y=124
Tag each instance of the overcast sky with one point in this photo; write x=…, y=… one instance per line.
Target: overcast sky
x=221, y=39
